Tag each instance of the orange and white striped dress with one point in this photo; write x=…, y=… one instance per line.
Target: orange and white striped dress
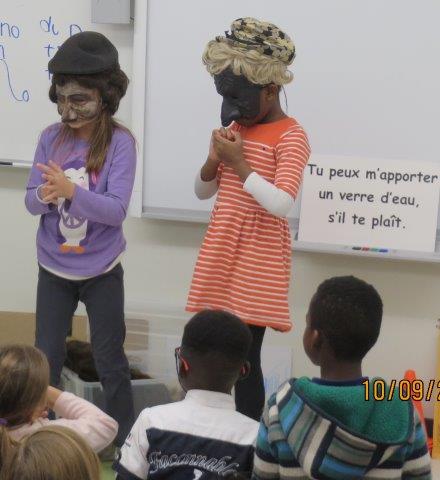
x=244, y=262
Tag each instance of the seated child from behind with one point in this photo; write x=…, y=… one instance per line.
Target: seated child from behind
x=25, y=396
x=325, y=427
x=49, y=453
x=202, y=436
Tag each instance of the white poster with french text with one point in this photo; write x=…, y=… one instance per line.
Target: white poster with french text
x=370, y=203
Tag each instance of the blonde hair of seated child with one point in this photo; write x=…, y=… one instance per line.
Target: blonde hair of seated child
x=50, y=453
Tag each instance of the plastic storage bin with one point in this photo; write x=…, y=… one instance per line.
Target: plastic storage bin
x=146, y=392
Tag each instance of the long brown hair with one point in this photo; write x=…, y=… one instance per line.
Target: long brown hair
x=111, y=85
x=51, y=453
x=24, y=378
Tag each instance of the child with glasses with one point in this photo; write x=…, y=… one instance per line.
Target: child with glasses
x=202, y=436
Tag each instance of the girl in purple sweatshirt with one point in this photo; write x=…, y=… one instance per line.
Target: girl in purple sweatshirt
x=80, y=185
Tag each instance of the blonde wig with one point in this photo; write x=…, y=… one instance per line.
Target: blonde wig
x=256, y=67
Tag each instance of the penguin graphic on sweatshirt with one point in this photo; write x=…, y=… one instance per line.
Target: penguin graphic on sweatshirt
x=72, y=228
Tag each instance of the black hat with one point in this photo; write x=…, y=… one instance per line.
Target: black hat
x=85, y=53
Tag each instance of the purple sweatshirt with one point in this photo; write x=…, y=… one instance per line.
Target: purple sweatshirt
x=82, y=237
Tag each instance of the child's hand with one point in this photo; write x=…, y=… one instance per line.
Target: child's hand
x=58, y=185
x=213, y=156
x=44, y=192
x=228, y=146
x=226, y=133
x=52, y=396
x=44, y=414
x=221, y=133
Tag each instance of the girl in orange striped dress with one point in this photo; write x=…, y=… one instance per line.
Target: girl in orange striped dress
x=255, y=166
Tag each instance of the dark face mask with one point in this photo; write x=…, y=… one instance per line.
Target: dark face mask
x=241, y=98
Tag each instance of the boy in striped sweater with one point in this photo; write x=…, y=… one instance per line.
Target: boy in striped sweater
x=330, y=427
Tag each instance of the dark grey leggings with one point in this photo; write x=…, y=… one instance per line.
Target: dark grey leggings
x=103, y=296
x=249, y=393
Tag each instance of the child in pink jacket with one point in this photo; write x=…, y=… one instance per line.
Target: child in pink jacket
x=25, y=396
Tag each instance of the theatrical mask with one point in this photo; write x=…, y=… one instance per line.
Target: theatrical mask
x=78, y=105
x=241, y=98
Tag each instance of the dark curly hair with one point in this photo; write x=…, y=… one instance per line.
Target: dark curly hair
x=217, y=331
x=112, y=86
x=348, y=313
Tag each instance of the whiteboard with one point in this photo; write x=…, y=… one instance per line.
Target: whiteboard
x=30, y=33
x=366, y=85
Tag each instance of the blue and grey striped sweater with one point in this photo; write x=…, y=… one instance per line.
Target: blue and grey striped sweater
x=313, y=431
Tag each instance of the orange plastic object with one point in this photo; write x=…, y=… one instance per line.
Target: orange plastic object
x=411, y=376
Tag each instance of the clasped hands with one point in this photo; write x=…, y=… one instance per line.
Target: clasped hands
x=57, y=184
x=227, y=147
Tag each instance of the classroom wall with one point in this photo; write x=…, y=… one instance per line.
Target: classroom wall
x=158, y=267
x=19, y=327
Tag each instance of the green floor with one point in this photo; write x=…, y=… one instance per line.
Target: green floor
x=107, y=472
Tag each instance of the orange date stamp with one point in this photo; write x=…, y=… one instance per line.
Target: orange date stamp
x=417, y=390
